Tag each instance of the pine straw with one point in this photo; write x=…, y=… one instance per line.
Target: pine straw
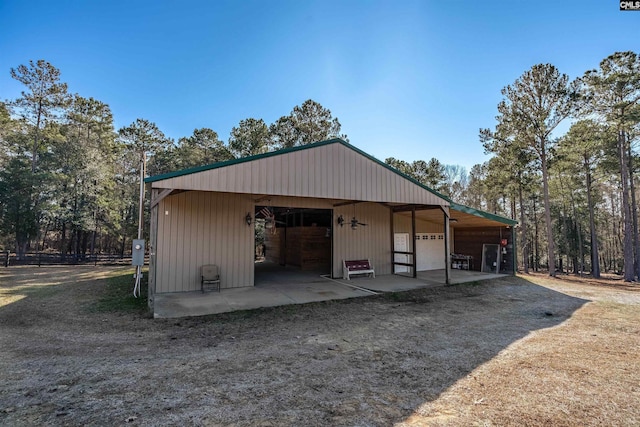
x=583, y=372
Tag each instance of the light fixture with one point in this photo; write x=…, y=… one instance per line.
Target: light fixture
x=453, y=220
x=340, y=220
x=248, y=219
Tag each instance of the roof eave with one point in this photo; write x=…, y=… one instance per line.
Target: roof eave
x=482, y=214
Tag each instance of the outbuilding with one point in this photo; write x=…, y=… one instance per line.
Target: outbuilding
x=316, y=206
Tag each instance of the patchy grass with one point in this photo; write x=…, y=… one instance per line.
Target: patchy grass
x=118, y=296
x=478, y=355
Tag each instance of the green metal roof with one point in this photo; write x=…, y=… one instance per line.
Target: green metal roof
x=483, y=214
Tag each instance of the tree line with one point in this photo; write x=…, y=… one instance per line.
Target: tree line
x=69, y=180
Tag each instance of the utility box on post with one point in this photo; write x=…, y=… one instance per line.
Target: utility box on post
x=137, y=252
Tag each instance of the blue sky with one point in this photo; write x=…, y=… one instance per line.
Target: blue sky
x=408, y=79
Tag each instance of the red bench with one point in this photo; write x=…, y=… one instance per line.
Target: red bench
x=362, y=266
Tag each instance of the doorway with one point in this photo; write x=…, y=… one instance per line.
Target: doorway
x=292, y=243
x=401, y=244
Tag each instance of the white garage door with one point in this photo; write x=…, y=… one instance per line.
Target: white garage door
x=430, y=251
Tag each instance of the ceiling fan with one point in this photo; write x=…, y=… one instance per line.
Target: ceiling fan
x=355, y=223
x=269, y=217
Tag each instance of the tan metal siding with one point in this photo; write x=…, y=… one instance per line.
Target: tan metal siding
x=370, y=242
x=153, y=235
x=328, y=171
x=203, y=228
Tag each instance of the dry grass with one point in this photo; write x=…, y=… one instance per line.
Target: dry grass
x=583, y=372
x=516, y=351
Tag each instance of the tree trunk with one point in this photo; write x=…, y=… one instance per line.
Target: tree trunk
x=23, y=248
x=93, y=243
x=595, y=260
x=536, y=259
x=634, y=211
x=579, y=254
x=21, y=245
x=36, y=139
x=614, y=239
x=78, y=249
x=629, y=271
x=547, y=212
x=578, y=266
x=85, y=243
x=568, y=250
x=523, y=232
x=124, y=240
x=44, y=235
x=70, y=242
x=63, y=237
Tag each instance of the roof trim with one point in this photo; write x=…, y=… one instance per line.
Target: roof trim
x=482, y=214
x=218, y=165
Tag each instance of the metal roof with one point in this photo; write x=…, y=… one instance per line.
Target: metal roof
x=256, y=158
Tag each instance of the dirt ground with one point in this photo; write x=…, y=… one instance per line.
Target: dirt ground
x=514, y=351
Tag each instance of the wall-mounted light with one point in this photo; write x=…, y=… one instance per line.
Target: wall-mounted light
x=340, y=220
x=248, y=219
x=453, y=220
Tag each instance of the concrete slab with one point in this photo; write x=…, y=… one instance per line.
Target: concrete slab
x=184, y=304
x=295, y=287
x=457, y=276
x=398, y=283
x=388, y=283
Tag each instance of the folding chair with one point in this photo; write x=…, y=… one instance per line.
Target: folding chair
x=210, y=277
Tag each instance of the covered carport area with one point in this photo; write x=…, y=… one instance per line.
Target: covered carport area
x=451, y=243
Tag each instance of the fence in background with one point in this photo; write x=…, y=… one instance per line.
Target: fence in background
x=57, y=259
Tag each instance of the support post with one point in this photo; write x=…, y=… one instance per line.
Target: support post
x=413, y=241
x=513, y=249
x=447, y=250
x=392, y=241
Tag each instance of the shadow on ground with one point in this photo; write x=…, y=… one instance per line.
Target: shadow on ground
x=364, y=361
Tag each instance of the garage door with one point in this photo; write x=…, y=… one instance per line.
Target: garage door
x=430, y=251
